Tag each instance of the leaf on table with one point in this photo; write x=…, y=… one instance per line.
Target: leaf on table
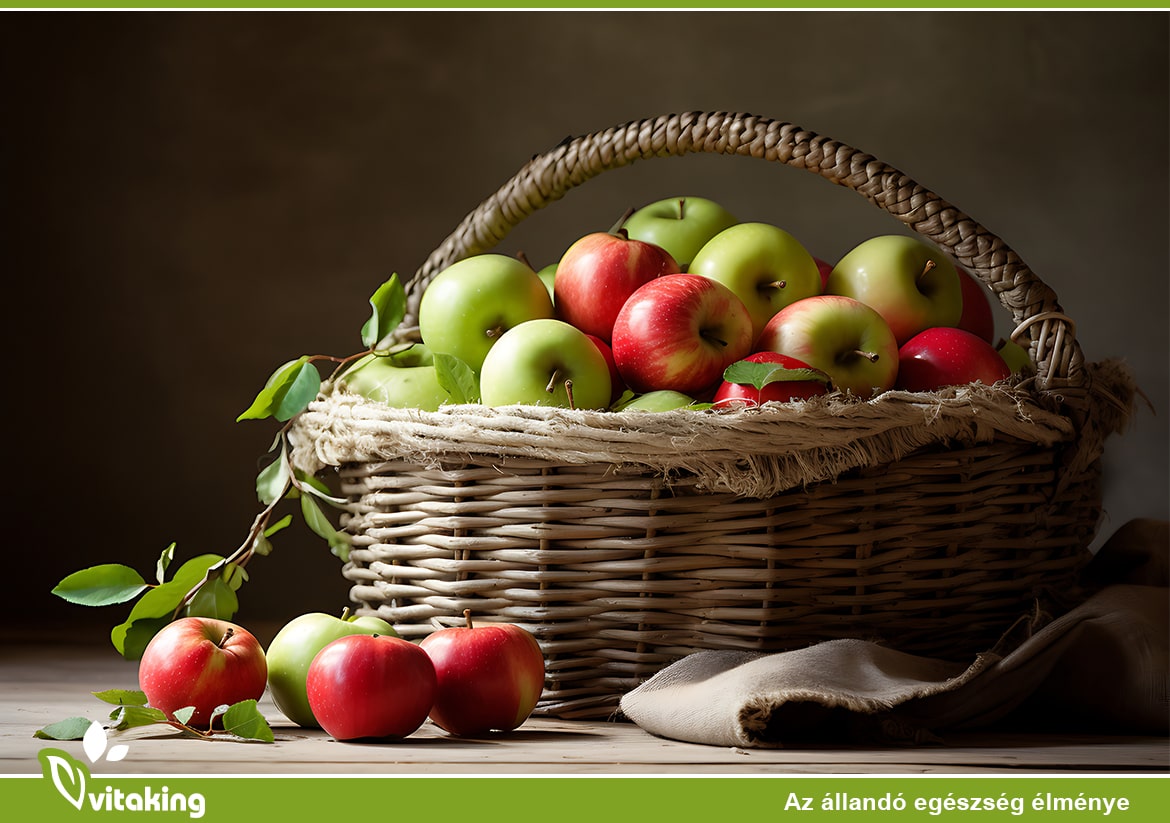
x=71, y=728
x=122, y=697
x=244, y=720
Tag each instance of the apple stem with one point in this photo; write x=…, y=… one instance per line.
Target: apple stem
x=494, y=332
x=713, y=339
x=467, y=617
x=778, y=284
x=930, y=264
x=553, y=381
x=682, y=202
x=617, y=227
x=345, y=613
x=872, y=357
x=523, y=258
x=569, y=392
x=226, y=637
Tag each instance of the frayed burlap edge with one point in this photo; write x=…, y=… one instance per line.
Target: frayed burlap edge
x=750, y=452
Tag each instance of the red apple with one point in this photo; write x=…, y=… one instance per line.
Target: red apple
x=825, y=270
x=598, y=273
x=617, y=387
x=490, y=677
x=946, y=356
x=370, y=687
x=778, y=390
x=680, y=332
x=840, y=336
x=204, y=663
x=976, y=317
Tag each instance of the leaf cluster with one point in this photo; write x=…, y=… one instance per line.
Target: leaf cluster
x=207, y=585
x=241, y=720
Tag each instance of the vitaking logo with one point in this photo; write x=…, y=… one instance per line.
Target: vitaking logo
x=71, y=777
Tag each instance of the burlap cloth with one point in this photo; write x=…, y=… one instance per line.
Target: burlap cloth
x=1100, y=666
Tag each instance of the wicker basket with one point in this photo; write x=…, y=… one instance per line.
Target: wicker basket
x=624, y=541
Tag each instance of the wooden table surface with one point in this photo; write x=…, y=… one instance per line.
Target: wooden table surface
x=41, y=683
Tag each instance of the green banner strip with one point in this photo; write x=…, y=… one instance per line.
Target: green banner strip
x=512, y=800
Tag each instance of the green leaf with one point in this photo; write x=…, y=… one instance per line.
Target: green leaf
x=457, y=378
x=316, y=520
x=72, y=728
x=279, y=525
x=215, y=599
x=300, y=393
x=317, y=487
x=287, y=393
x=122, y=697
x=272, y=482
x=758, y=375
x=164, y=563
x=184, y=714
x=156, y=608
x=388, y=306
x=130, y=717
x=244, y=720
x=101, y=585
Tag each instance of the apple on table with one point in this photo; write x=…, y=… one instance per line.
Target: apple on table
x=910, y=283
x=204, y=663
x=490, y=676
x=680, y=332
x=764, y=265
x=366, y=686
x=681, y=225
x=292, y=650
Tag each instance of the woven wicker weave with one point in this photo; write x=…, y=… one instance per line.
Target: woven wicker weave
x=624, y=541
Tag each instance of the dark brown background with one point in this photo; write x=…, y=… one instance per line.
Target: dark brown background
x=190, y=199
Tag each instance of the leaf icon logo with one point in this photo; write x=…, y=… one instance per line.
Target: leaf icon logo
x=68, y=774
x=94, y=744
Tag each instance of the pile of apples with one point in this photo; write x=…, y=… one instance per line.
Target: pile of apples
x=684, y=305
x=352, y=676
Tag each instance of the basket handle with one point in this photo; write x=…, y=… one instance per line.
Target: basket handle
x=547, y=177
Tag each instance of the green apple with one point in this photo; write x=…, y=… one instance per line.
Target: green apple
x=681, y=225
x=1016, y=357
x=547, y=276
x=659, y=400
x=404, y=380
x=293, y=649
x=914, y=286
x=545, y=362
x=470, y=304
x=764, y=265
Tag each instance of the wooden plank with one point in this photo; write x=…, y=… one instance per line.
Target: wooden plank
x=43, y=685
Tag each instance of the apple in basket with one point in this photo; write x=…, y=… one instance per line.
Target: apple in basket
x=769, y=376
x=912, y=285
x=977, y=316
x=948, y=356
x=406, y=380
x=599, y=272
x=366, y=686
x=680, y=332
x=764, y=265
x=842, y=337
x=292, y=650
x=470, y=304
x=545, y=362
x=203, y=663
x=681, y=225
x=490, y=676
